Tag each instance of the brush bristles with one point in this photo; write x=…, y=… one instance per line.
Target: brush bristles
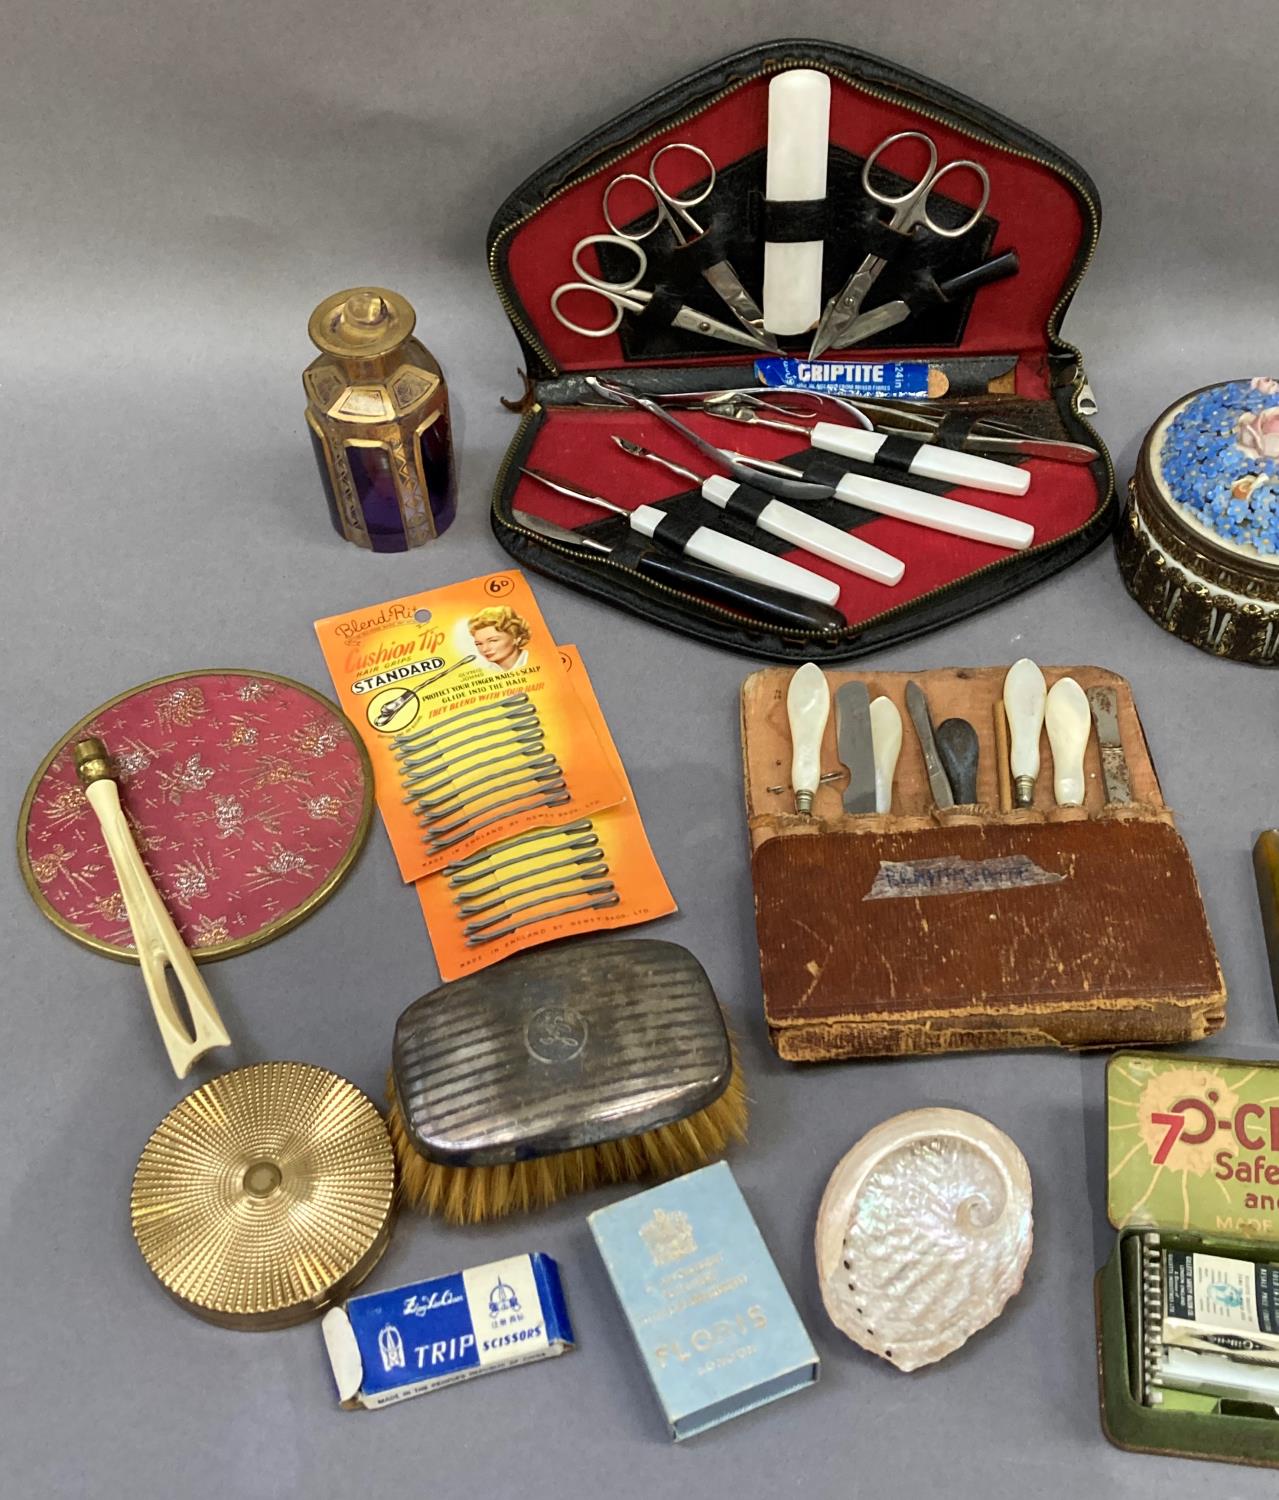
x=466, y=1195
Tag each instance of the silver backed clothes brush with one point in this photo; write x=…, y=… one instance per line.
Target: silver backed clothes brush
x=745, y=502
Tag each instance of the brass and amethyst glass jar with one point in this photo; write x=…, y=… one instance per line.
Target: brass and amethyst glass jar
x=377, y=410
x=1199, y=545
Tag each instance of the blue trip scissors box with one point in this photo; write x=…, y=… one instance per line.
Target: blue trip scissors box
x=388, y=1346
x=714, y=1322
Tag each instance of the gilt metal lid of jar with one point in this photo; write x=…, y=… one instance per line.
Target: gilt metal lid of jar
x=1199, y=546
x=265, y=1195
x=361, y=323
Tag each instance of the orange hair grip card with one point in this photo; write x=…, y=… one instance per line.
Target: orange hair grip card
x=473, y=728
x=583, y=876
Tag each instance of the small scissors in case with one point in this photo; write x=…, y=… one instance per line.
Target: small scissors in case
x=628, y=296
x=909, y=210
x=672, y=210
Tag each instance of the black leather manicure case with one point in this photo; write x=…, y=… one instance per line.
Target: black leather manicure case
x=999, y=346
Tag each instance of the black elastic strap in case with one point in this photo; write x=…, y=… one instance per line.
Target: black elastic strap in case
x=663, y=306
x=897, y=453
x=794, y=221
x=876, y=238
x=707, y=249
x=953, y=430
x=675, y=532
x=747, y=504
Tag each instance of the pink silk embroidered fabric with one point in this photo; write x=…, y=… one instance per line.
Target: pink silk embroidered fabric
x=244, y=794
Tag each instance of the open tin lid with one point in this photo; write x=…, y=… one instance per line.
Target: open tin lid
x=1193, y=1143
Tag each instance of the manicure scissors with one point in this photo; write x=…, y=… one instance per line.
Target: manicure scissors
x=910, y=209
x=628, y=296
x=672, y=210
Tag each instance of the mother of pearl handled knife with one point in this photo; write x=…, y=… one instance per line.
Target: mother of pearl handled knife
x=856, y=746
x=1068, y=723
x=917, y=708
x=775, y=606
x=957, y=747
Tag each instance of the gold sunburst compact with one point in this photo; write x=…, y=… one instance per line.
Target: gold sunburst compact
x=266, y=1195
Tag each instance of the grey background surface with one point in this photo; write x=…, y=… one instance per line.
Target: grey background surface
x=179, y=185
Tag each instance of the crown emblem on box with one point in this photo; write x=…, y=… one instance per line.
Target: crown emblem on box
x=669, y=1237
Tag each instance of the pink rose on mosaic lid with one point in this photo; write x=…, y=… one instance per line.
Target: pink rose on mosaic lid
x=1266, y=384
x=1257, y=432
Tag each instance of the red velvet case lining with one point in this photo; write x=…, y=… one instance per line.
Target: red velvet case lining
x=574, y=444
x=1038, y=213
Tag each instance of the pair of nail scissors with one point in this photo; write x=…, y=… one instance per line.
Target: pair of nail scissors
x=672, y=210
x=910, y=209
x=628, y=296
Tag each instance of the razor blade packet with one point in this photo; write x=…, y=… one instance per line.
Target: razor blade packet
x=1188, y=1302
x=387, y=1346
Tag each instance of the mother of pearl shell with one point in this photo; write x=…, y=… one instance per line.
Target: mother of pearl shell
x=923, y=1234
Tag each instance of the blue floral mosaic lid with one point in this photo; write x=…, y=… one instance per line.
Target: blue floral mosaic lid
x=1217, y=460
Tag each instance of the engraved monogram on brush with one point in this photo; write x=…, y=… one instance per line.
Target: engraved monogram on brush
x=555, y=1034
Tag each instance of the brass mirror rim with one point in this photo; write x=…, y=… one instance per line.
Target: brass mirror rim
x=214, y=951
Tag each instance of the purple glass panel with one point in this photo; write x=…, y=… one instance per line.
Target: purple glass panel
x=375, y=487
x=437, y=470
x=326, y=481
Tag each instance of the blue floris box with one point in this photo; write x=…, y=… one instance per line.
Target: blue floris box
x=713, y=1321
x=388, y=1346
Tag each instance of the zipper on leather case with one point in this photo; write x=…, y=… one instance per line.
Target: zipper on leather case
x=1083, y=403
